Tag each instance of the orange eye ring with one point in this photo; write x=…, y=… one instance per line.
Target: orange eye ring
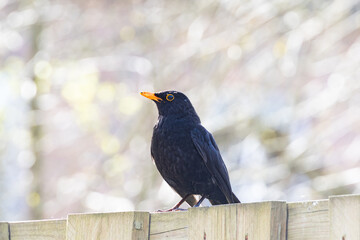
x=170, y=97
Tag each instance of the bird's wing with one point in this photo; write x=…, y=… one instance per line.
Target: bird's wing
x=209, y=151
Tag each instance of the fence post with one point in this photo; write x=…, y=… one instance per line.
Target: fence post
x=4, y=231
x=344, y=217
x=108, y=226
x=249, y=221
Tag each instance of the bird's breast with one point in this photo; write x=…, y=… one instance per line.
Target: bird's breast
x=172, y=149
x=178, y=160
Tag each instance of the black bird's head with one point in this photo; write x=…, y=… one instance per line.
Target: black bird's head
x=172, y=103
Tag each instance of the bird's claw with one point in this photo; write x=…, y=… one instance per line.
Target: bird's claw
x=172, y=210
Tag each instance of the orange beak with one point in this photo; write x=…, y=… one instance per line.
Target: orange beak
x=151, y=96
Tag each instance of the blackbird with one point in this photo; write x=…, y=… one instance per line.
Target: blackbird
x=186, y=154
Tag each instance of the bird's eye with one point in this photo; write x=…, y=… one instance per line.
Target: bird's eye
x=170, y=97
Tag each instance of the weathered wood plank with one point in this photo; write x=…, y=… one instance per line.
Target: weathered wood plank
x=278, y=218
x=252, y=221
x=308, y=220
x=108, y=226
x=218, y=222
x=344, y=217
x=4, y=231
x=38, y=230
x=171, y=226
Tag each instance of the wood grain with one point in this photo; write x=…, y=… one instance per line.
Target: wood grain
x=218, y=222
x=108, y=226
x=4, y=231
x=308, y=220
x=172, y=225
x=252, y=221
x=336, y=219
x=39, y=230
x=344, y=217
x=260, y=221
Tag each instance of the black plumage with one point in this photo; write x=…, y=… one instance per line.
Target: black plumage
x=186, y=154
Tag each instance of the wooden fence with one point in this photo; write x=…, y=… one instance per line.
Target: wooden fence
x=337, y=218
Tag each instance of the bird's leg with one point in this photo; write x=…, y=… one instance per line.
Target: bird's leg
x=200, y=201
x=176, y=207
x=181, y=202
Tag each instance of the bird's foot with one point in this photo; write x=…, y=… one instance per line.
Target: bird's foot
x=172, y=210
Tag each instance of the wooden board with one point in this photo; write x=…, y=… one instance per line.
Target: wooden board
x=344, y=217
x=171, y=226
x=4, y=231
x=209, y=223
x=108, y=226
x=38, y=230
x=253, y=221
x=308, y=220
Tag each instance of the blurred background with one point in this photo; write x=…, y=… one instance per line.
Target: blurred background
x=277, y=83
